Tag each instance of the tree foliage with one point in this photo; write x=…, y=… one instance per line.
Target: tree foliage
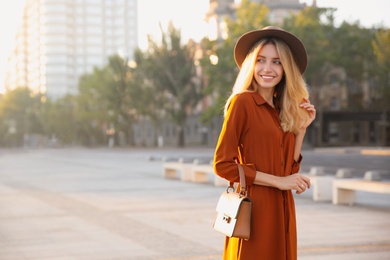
x=170, y=76
x=381, y=47
x=19, y=116
x=106, y=101
x=313, y=26
x=61, y=120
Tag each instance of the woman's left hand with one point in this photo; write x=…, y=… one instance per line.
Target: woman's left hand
x=310, y=110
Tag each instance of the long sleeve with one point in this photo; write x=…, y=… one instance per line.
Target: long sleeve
x=234, y=128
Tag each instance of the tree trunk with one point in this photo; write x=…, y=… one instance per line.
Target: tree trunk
x=180, y=135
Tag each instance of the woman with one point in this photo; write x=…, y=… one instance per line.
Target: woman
x=265, y=122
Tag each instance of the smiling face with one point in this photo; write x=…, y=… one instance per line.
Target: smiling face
x=268, y=70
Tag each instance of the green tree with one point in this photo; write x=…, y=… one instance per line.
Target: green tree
x=381, y=47
x=354, y=53
x=147, y=101
x=20, y=116
x=105, y=104
x=60, y=120
x=313, y=26
x=120, y=94
x=170, y=74
x=249, y=16
x=92, y=108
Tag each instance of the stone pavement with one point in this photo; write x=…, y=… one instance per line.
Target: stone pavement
x=84, y=204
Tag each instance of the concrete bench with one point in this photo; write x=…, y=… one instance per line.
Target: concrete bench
x=344, y=190
x=321, y=187
x=177, y=170
x=203, y=174
x=182, y=169
x=322, y=184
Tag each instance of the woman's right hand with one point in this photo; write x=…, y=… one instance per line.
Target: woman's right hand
x=295, y=181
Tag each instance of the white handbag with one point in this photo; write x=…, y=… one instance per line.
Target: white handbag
x=234, y=210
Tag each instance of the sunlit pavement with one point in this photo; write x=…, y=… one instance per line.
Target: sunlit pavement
x=114, y=204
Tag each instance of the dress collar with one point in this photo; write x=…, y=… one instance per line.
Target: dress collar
x=259, y=100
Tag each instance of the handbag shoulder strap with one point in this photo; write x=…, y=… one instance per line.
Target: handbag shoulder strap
x=242, y=179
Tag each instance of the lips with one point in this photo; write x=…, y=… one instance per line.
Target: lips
x=267, y=77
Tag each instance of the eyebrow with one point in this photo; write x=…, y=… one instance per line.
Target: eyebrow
x=261, y=56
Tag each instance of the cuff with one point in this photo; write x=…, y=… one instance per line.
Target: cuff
x=296, y=165
x=250, y=174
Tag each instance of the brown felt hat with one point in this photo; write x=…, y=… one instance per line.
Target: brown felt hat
x=247, y=40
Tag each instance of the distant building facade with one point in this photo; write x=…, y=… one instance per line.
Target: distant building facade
x=280, y=9
x=58, y=41
x=220, y=9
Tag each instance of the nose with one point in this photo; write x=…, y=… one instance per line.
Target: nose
x=267, y=66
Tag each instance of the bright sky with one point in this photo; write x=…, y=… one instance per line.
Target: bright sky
x=188, y=15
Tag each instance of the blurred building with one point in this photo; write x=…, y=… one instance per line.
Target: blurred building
x=220, y=9
x=60, y=40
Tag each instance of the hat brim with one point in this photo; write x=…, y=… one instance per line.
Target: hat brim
x=247, y=40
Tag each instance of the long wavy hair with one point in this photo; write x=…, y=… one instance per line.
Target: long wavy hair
x=288, y=93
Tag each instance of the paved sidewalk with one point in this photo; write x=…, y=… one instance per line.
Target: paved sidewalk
x=113, y=204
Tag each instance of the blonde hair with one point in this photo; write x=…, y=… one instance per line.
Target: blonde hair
x=290, y=91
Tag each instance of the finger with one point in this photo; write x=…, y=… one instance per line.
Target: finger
x=301, y=187
x=307, y=181
x=299, y=190
x=307, y=106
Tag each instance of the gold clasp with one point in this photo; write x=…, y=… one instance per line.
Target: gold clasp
x=226, y=218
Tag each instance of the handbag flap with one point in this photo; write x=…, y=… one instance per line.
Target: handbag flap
x=229, y=203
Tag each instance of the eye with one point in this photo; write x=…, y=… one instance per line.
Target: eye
x=260, y=59
x=277, y=62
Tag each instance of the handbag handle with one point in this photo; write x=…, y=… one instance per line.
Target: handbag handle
x=242, y=181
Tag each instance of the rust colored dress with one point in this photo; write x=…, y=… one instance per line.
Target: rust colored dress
x=252, y=133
